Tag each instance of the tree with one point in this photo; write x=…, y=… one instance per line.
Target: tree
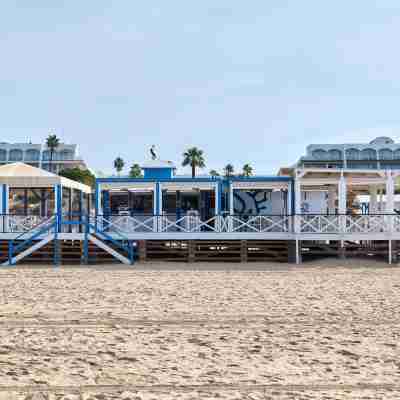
x=119, y=165
x=52, y=142
x=79, y=175
x=228, y=170
x=193, y=157
x=247, y=170
x=214, y=173
x=135, y=171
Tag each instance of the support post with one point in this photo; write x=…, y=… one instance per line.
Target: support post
x=373, y=200
x=342, y=250
x=160, y=200
x=57, y=252
x=86, y=241
x=331, y=200
x=217, y=207
x=58, y=206
x=5, y=206
x=217, y=199
x=390, y=251
x=342, y=193
x=389, y=206
x=298, y=252
x=97, y=205
x=231, y=208
x=297, y=205
x=155, y=207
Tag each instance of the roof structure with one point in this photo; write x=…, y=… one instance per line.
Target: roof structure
x=23, y=175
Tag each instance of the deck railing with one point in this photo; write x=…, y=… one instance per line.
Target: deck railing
x=307, y=224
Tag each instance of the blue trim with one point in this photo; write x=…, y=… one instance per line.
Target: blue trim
x=157, y=199
x=112, y=240
x=4, y=198
x=57, y=256
x=135, y=180
x=259, y=178
x=58, y=190
x=86, y=242
x=96, y=197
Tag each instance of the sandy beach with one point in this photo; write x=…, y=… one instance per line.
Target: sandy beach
x=177, y=331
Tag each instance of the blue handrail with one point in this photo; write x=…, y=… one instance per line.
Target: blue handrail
x=128, y=249
x=12, y=249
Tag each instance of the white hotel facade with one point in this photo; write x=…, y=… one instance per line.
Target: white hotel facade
x=38, y=155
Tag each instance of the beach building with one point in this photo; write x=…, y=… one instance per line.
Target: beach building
x=38, y=155
x=303, y=212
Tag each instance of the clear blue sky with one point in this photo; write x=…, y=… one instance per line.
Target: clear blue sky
x=246, y=81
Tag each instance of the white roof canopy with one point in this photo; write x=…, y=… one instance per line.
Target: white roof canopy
x=25, y=176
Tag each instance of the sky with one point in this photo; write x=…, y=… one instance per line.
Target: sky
x=246, y=81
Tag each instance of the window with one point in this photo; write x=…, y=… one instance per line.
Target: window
x=3, y=155
x=320, y=154
x=368, y=154
x=66, y=155
x=16, y=155
x=352, y=154
x=32, y=155
x=396, y=154
x=385, y=154
x=46, y=155
x=334, y=154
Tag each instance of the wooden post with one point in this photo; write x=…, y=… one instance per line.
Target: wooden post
x=191, y=251
x=142, y=250
x=243, y=251
x=342, y=250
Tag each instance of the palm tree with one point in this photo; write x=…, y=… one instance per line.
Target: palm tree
x=52, y=142
x=193, y=157
x=136, y=171
x=228, y=170
x=247, y=170
x=119, y=165
x=213, y=173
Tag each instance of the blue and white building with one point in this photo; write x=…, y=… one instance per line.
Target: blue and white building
x=177, y=206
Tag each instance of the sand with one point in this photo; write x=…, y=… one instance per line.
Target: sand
x=167, y=331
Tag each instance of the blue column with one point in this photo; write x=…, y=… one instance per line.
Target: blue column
x=158, y=198
x=4, y=199
x=217, y=192
x=58, y=205
x=97, y=199
x=4, y=206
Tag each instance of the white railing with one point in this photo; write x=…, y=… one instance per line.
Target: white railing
x=129, y=224
x=22, y=223
x=188, y=223
x=396, y=223
x=319, y=223
x=368, y=223
x=257, y=223
x=300, y=224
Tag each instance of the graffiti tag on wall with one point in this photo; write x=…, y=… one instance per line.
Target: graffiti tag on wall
x=252, y=202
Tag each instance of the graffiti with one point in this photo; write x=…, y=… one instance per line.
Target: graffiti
x=254, y=202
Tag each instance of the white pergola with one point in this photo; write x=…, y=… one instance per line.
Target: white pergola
x=375, y=181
